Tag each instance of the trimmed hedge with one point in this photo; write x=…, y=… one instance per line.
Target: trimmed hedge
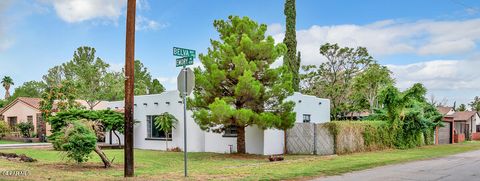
x=359, y=136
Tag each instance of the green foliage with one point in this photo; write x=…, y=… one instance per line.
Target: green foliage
x=237, y=87
x=87, y=73
x=357, y=136
x=142, y=78
x=4, y=128
x=29, y=89
x=290, y=61
x=367, y=85
x=109, y=119
x=25, y=128
x=410, y=116
x=156, y=87
x=63, y=95
x=77, y=140
x=475, y=104
x=166, y=122
x=333, y=79
x=6, y=83
x=462, y=107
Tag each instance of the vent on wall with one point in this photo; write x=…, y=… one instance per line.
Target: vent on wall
x=145, y=104
x=156, y=103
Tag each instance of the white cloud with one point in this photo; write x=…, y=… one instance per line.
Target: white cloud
x=446, y=75
x=170, y=83
x=143, y=23
x=390, y=37
x=73, y=11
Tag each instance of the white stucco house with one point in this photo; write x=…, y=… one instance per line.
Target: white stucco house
x=258, y=141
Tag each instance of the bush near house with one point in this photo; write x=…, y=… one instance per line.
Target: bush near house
x=25, y=129
x=4, y=129
x=359, y=136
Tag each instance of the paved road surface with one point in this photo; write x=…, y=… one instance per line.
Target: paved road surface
x=460, y=167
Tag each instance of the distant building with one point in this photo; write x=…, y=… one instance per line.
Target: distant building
x=27, y=109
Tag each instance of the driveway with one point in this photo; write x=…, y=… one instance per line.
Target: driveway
x=464, y=166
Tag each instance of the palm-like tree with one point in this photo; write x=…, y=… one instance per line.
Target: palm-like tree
x=7, y=82
x=166, y=122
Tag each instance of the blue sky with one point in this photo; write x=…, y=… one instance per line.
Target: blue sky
x=434, y=42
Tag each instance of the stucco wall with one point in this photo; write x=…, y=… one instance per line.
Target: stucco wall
x=21, y=111
x=318, y=108
x=158, y=104
x=273, y=142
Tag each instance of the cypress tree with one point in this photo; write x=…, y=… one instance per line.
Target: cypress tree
x=290, y=60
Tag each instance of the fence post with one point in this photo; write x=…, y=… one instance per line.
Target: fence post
x=314, y=138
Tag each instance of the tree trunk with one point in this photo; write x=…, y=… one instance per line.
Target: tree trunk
x=7, y=93
x=104, y=158
x=166, y=143
x=241, y=139
x=118, y=138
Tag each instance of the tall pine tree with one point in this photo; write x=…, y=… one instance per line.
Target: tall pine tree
x=237, y=87
x=290, y=60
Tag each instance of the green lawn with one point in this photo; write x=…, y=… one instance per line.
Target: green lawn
x=157, y=165
x=9, y=142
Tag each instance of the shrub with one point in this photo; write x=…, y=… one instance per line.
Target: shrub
x=4, y=129
x=77, y=141
x=357, y=136
x=25, y=128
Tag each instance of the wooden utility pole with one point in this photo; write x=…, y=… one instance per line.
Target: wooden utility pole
x=129, y=81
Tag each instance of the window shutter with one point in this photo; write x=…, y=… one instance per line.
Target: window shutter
x=149, y=126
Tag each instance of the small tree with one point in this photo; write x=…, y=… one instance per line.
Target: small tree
x=166, y=122
x=25, y=128
x=96, y=121
x=77, y=140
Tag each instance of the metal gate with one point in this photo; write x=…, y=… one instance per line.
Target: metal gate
x=445, y=134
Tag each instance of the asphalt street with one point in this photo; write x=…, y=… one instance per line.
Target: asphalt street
x=460, y=167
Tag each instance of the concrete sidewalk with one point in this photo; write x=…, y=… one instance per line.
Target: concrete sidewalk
x=464, y=166
x=26, y=145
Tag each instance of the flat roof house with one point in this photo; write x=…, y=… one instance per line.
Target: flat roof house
x=258, y=141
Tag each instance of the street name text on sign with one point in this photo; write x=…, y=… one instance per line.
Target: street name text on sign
x=184, y=61
x=183, y=52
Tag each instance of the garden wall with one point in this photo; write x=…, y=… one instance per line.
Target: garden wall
x=338, y=137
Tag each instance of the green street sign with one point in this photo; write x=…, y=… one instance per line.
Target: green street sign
x=183, y=52
x=184, y=61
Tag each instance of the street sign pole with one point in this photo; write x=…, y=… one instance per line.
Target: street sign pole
x=183, y=83
x=185, y=121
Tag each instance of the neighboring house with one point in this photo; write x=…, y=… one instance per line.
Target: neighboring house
x=445, y=134
x=466, y=123
x=258, y=141
x=26, y=109
x=446, y=110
